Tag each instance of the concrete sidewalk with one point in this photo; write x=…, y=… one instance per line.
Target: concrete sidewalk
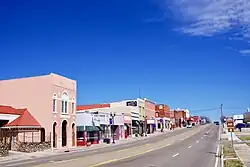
x=243, y=152
x=117, y=142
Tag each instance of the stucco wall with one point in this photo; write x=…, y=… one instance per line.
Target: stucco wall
x=149, y=109
x=32, y=93
x=36, y=94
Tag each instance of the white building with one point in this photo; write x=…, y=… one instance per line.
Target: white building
x=238, y=119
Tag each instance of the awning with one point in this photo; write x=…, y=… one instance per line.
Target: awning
x=100, y=128
x=89, y=128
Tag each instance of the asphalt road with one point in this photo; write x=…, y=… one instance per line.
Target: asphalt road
x=144, y=151
x=196, y=151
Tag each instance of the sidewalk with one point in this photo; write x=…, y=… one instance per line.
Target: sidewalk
x=117, y=142
x=243, y=152
x=234, y=136
x=19, y=156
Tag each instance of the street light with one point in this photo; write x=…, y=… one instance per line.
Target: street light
x=112, y=114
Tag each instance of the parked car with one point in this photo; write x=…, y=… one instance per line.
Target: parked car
x=189, y=126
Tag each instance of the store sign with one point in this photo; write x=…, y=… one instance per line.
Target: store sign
x=131, y=103
x=150, y=121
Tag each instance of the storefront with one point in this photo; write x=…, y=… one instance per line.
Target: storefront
x=88, y=128
x=162, y=123
x=127, y=125
x=150, y=125
x=118, y=126
x=104, y=124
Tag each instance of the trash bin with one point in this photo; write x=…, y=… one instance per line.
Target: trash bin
x=108, y=141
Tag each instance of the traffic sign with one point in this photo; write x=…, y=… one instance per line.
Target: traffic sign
x=230, y=124
x=230, y=129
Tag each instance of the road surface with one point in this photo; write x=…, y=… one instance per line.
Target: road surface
x=196, y=151
x=185, y=147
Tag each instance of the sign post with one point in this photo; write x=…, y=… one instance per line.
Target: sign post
x=230, y=126
x=232, y=139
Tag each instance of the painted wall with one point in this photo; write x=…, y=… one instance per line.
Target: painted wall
x=149, y=109
x=122, y=107
x=37, y=94
x=141, y=105
x=163, y=110
x=84, y=119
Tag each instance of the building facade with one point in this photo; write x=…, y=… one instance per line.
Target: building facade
x=150, y=116
x=51, y=100
x=162, y=114
x=109, y=124
x=131, y=108
x=180, y=117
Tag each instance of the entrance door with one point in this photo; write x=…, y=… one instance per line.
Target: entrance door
x=54, y=134
x=73, y=135
x=64, y=133
x=42, y=135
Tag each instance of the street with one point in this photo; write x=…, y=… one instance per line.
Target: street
x=185, y=147
x=196, y=151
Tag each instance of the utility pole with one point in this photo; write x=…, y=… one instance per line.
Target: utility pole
x=221, y=115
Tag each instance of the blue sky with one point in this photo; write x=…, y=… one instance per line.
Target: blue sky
x=182, y=53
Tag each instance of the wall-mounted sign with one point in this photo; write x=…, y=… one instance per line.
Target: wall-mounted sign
x=131, y=103
x=156, y=114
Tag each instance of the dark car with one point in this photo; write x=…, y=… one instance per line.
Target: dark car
x=216, y=123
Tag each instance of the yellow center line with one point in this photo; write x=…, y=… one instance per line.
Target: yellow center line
x=127, y=157
x=133, y=148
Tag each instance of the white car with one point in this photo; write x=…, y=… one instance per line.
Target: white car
x=189, y=126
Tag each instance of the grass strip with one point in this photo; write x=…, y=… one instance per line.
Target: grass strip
x=233, y=163
x=228, y=150
x=244, y=137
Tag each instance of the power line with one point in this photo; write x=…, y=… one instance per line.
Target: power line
x=207, y=109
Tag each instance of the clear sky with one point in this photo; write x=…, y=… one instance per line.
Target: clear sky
x=187, y=53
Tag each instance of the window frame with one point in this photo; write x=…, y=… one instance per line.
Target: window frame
x=65, y=104
x=54, y=106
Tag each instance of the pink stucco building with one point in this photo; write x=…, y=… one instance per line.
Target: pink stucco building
x=51, y=99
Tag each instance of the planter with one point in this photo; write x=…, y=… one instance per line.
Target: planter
x=88, y=144
x=4, y=149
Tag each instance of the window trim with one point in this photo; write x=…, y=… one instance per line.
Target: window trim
x=54, y=107
x=73, y=105
x=54, y=97
x=65, y=100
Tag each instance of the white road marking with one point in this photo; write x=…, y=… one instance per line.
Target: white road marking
x=21, y=163
x=58, y=162
x=176, y=155
x=201, y=138
x=197, y=141
x=189, y=146
x=217, y=157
